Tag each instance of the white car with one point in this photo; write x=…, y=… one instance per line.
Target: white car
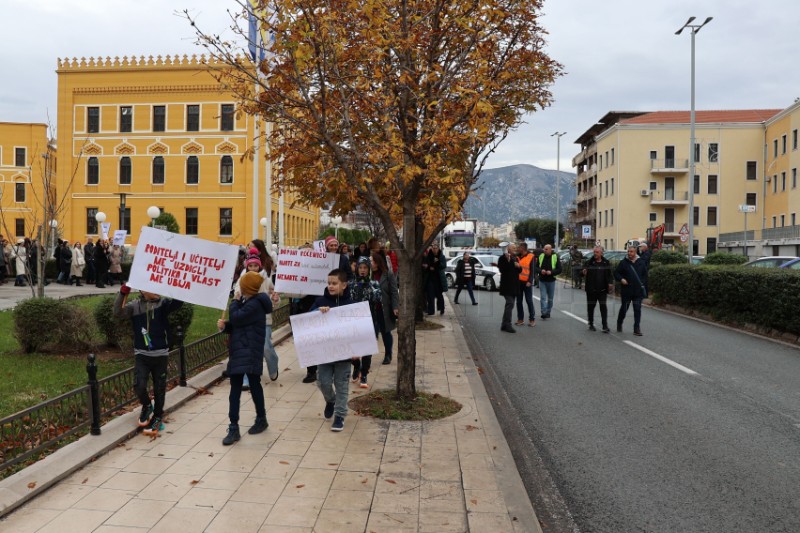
x=486, y=273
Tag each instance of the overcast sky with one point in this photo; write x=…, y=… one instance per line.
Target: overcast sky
x=617, y=55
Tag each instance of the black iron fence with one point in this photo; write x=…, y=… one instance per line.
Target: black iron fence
x=28, y=433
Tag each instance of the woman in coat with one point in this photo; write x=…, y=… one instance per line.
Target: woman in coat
x=101, y=263
x=115, y=265
x=465, y=276
x=435, y=282
x=78, y=261
x=389, y=307
x=20, y=254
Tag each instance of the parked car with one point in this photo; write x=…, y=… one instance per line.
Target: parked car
x=487, y=274
x=772, y=261
x=794, y=264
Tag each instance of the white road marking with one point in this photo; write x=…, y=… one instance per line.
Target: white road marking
x=662, y=358
x=576, y=317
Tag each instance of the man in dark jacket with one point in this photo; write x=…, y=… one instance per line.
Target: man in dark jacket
x=100, y=265
x=148, y=316
x=509, y=267
x=66, y=262
x=88, y=254
x=434, y=281
x=632, y=274
x=599, y=282
x=549, y=267
x=466, y=267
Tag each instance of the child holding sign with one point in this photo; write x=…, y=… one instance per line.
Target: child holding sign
x=248, y=313
x=332, y=378
x=148, y=315
x=365, y=289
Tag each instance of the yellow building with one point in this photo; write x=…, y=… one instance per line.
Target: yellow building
x=642, y=175
x=141, y=132
x=782, y=160
x=26, y=167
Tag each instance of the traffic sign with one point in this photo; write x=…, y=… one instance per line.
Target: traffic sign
x=684, y=230
x=684, y=238
x=747, y=208
x=587, y=232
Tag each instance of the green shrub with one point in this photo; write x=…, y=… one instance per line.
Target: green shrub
x=43, y=323
x=118, y=332
x=724, y=258
x=667, y=257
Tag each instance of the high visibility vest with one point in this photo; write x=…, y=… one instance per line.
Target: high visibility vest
x=525, y=263
x=541, y=261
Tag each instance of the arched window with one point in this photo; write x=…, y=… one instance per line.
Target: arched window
x=92, y=171
x=158, y=170
x=192, y=170
x=125, y=170
x=226, y=169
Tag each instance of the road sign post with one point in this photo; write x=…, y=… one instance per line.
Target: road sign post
x=743, y=208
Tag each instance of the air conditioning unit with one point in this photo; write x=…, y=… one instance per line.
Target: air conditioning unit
x=645, y=192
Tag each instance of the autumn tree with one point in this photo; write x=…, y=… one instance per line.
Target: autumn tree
x=390, y=104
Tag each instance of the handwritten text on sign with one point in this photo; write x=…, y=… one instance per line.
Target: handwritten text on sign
x=304, y=271
x=189, y=269
x=341, y=333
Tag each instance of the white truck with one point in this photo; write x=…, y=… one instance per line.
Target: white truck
x=459, y=236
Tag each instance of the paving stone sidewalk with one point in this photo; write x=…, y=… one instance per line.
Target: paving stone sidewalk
x=451, y=475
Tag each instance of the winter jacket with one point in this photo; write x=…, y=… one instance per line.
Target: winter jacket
x=552, y=263
x=247, y=334
x=115, y=261
x=460, y=270
x=598, y=275
x=635, y=273
x=100, y=260
x=326, y=300
x=434, y=271
x=150, y=323
x=78, y=262
x=267, y=287
x=509, y=274
x=20, y=253
x=367, y=290
x=390, y=300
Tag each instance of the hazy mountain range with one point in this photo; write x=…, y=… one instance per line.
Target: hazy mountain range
x=519, y=192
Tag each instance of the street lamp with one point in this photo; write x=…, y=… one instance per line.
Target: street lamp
x=336, y=221
x=694, y=29
x=265, y=224
x=100, y=217
x=558, y=136
x=153, y=212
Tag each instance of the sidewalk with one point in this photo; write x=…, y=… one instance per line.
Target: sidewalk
x=11, y=295
x=451, y=475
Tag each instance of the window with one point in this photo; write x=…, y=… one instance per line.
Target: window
x=794, y=178
x=91, y=221
x=601, y=161
x=696, y=184
x=226, y=221
x=794, y=139
x=713, y=152
x=92, y=119
x=20, y=157
x=191, y=221
x=226, y=118
x=612, y=217
x=653, y=217
x=192, y=170
x=711, y=216
x=612, y=185
x=226, y=169
x=653, y=155
x=775, y=148
x=192, y=118
x=125, y=171
x=783, y=221
x=712, y=184
x=774, y=222
x=696, y=216
x=783, y=181
x=696, y=152
x=612, y=159
x=783, y=144
x=775, y=183
x=750, y=199
x=794, y=219
x=711, y=245
x=751, y=170
x=606, y=159
x=606, y=187
x=159, y=118
x=158, y=170
x=19, y=192
x=125, y=119
x=19, y=227
x=126, y=221
x=653, y=186
x=92, y=171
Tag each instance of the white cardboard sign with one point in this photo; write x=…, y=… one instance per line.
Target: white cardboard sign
x=341, y=333
x=186, y=268
x=119, y=237
x=319, y=246
x=105, y=227
x=304, y=271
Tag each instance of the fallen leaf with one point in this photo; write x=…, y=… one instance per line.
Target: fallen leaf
x=284, y=462
x=211, y=454
x=393, y=482
x=161, y=455
x=84, y=481
x=364, y=480
x=195, y=481
x=32, y=485
x=300, y=486
x=471, y=427
x=480, y=370
x=474, y=501
x=333, y=464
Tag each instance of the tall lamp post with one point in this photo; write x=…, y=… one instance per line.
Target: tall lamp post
x=558, y=136
x=694, y=29
x=153, y=212
x=336, y=221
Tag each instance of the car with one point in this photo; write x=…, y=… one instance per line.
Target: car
x=487, y=274
x=772, y=261
x=794, y=264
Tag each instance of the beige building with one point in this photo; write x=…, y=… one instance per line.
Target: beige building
x=141, y=132
x=642, y=175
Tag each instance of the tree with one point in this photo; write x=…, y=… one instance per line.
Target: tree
x=541, y=229
x=167, y=220
x=489, y=242
x=394, y=105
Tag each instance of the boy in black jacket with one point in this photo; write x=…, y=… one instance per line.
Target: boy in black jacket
x=148, y=315
x=332, y=378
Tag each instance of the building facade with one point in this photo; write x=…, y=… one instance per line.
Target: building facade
x=27, y=163
x=141, y=132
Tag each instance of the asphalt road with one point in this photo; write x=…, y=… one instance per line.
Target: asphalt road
x=692, y=427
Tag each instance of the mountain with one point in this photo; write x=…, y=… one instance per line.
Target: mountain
x=519, y=192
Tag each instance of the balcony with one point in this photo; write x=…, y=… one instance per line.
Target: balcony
x=668, y=197
x=587, y=195
x=669, y=166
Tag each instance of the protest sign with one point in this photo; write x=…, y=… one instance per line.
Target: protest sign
x=341, y=333
x=304, y=271
x=119, y=237
x=319, y=246
x=186, y=268
x=105, y=227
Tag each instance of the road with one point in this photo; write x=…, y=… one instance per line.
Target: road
x=692, y=427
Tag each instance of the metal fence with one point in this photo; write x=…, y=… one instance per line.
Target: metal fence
x=37, y=429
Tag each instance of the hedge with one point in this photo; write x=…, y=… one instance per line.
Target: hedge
x=46, y=323
x=724, y=258
x=762, y=296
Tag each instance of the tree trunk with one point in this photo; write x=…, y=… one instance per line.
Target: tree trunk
x=406, y=333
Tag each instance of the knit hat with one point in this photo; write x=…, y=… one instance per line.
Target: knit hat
x=253, y=257
x=329, y=239
x=363, y=260
x=250, y=283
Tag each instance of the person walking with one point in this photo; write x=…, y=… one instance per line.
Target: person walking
x=645, y=254
x=509, y=267
x=76, y=265
x=434, y=280
x=465, y=276
x=632, y=274
x=115, y=265
x=527, y=262
x=20, y=254
x=365, y=289
x=576, y=265
x=88, y=256
x=388, y=309
x=100, y=264
x=549, y=269
x=599, y=283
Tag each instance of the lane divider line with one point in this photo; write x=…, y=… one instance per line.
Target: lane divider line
x=662, y=358
x=576, y=317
